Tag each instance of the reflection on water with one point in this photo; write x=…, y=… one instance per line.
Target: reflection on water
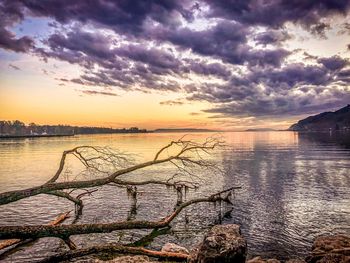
x=294, y=187
x=292, y=192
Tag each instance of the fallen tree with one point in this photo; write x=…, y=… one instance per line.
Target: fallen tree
x=11, y=242
x=109, y=167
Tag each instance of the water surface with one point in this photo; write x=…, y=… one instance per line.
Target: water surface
x=294, y=187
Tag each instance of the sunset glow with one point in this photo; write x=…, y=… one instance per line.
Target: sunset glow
x=173, y=65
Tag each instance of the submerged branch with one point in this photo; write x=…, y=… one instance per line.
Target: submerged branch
x=65, y=231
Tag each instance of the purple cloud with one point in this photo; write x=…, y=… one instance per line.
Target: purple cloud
x=149, y=45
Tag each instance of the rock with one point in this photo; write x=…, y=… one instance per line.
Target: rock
x=127, y=259
x=171, y=247
x=330, y=249
x=222, y=244
x=256, y=260
x=260, y=260
x=296, y=260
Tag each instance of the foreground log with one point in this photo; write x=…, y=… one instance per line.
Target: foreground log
x=58, y=220
x=116, y=248
x=65, y=231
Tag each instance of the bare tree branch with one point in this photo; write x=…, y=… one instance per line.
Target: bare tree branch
x=108, y=168
x=187, y=147
x=64, y=231
x=58, y=220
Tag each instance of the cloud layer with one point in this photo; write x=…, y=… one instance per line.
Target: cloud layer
x=231, y=54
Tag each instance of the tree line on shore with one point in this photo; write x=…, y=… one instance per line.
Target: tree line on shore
x=18, y=128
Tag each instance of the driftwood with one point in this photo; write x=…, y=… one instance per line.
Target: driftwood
x=58, y=220
x=64, y=231
x=109, y=166
x=116, y=248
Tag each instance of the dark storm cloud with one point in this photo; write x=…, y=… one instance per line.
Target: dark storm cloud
x=226, y=41
x=157, y=58
x=130, y=16
x=344, y=76
x=277, y=107
x=275, y=13
x=320, y=29
x=123, y=16
x=271, y=37
x=9, y=41
x=10, y=14
x=334, y=63
x=202, y=68
x=292, y=90
x=148, y=65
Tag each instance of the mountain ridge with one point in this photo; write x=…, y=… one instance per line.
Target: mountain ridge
x=325, y=121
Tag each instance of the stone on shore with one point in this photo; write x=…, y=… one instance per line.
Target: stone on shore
x=127, y=259
x=260, y=260
x=296, y=261
x=223, y=244
x=171, y=247
x=330, y=249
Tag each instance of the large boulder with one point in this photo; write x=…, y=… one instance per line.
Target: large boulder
x=330, y=249
x=223, y=244
x=171, y=247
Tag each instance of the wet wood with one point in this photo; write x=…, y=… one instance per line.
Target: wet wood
x=11, y=242
x=65, y=231
x=116, y=248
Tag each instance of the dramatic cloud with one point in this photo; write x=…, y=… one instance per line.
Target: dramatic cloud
x=319, y=29
x=271, y=37
x=334, y=63
x=292, y=90
x=235, y=55
x=10, y=15
x=275, y=13
x=8, y=41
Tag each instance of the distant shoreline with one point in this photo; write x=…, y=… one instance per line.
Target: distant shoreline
x=61, y=135
x=155, y=131
x=34, y=136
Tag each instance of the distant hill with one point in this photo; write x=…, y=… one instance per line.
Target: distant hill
x=184, y=130
x=325, y=121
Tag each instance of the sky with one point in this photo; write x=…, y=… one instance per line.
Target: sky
x=223, y=64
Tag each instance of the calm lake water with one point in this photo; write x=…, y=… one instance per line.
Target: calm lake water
x=294, y=187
